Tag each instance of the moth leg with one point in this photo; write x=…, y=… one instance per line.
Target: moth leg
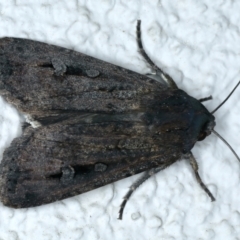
x=135, y=185
x=165, y=77
x=194, y=165
x=205, y=99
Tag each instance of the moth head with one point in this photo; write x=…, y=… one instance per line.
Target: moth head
x=210, y=126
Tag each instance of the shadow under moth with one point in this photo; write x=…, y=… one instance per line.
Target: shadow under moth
x=92, y=123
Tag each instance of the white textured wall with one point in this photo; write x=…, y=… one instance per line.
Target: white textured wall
x=198, y=43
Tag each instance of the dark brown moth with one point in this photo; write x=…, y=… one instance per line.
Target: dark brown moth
x=94, y=123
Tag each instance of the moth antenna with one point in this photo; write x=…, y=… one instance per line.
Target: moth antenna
x=217, y=134
x=225, y=99
x=165, y=77
x=135, y=185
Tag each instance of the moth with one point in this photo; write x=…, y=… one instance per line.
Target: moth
x=92, y=123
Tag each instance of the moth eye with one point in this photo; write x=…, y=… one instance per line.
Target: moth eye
x=202, y=136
